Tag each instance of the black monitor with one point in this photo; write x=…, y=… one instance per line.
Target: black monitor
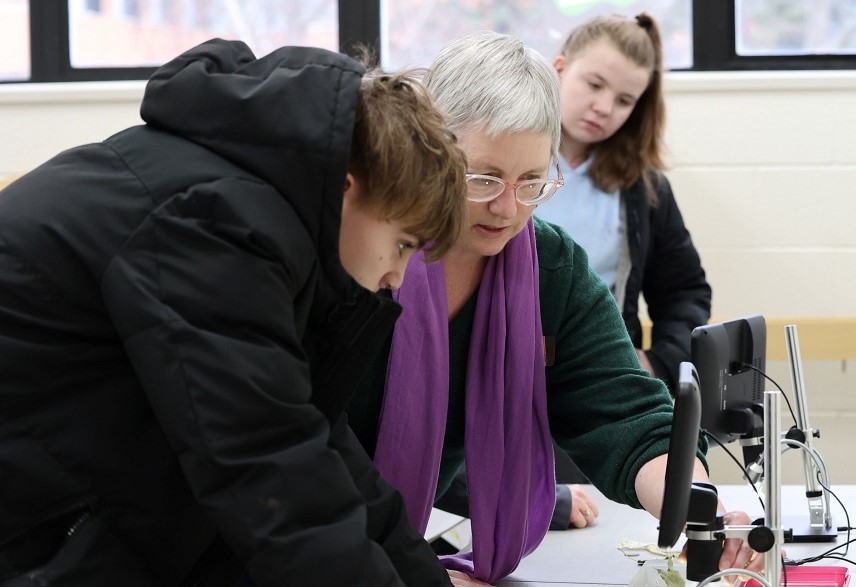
x=683, y=444
x=724, y=354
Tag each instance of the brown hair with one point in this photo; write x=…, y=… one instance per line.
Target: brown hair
x=629, y=154
x=407, y=159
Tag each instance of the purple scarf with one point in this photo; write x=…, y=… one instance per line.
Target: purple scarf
x=508, y=448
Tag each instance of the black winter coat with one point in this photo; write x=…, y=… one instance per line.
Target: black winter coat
x=178, y=340
x=666, y=269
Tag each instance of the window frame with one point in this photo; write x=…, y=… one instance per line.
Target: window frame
x=714, y=47
x=50, y=60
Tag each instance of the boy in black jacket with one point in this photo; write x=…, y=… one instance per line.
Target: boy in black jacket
x=183, y=310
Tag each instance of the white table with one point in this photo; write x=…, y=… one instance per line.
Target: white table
x=591, y=556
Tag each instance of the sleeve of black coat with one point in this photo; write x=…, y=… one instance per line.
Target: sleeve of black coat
x=203, y=296
x=675, y=288
x=412, y=556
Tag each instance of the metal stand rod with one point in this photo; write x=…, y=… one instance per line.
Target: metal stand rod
x=818, y=508
x=773, y=485
x=772, y=508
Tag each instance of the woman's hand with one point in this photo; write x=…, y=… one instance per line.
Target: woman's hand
x=583, y=507
x=460, y=579
x=736, y=552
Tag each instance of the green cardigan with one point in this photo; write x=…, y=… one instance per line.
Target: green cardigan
x=607, y=413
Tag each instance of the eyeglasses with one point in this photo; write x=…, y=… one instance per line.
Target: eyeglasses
x=484, y=188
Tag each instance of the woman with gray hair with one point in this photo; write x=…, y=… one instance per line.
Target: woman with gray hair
x=511, y=341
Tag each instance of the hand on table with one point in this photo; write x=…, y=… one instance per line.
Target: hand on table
x=460, y=579
x=583, y=507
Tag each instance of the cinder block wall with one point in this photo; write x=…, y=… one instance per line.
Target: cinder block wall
x=764, y=169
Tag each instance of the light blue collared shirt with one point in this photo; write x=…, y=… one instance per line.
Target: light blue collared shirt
x=595, y=219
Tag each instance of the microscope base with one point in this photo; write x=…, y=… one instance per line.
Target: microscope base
x=797, y=529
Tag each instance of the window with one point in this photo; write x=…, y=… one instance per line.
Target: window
x=413, y=31
x=129, y=8
x=126, y=39
x=795, y=27
x=14, y=40
x=190, y=13
x=145, y=33
x=721, y=28
x=159, y=11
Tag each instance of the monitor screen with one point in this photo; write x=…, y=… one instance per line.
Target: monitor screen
x=683, y=443
x=724, y=354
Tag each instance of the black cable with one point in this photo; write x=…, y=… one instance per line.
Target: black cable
x=829, y=554
x=754, y=488
x=794, y=417
x=841, y=558
x=813, y=559
x=779, y=387
x=843, y=509
x=737, y=462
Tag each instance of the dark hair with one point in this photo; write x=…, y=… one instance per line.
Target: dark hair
x=636, y=148
x=407, y=159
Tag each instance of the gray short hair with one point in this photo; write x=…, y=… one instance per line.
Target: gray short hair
x=496, y=84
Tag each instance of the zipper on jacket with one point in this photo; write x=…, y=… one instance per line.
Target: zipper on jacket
x=67, y=521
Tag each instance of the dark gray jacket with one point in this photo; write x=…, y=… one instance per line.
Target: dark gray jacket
x=178, y=340
x=665, y=268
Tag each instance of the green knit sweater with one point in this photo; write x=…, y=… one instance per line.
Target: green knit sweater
x=608, y=414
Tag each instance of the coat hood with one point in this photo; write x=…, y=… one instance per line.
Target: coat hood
x=287, y=118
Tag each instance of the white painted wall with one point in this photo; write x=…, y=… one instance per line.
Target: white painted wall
x=763, y=166
x=764, y=169
x=39, y=120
